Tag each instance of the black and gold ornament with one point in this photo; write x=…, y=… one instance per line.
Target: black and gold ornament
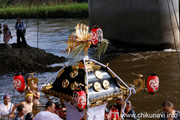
x=74, y=73
x=74, y=85
x=65, y=83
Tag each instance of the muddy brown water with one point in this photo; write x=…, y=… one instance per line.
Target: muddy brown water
x=164, y=64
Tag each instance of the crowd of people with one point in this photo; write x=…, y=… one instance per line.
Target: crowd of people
x=25, y=108
x=116, y=110
x=20, y=32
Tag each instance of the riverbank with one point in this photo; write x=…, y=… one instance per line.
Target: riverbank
x=28, y=59
x=73, y=10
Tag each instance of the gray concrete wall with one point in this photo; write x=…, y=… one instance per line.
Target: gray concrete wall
x=136, y=21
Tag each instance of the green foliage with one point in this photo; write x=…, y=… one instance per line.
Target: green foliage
x=26, y=2
x=5, y=3
x=45, y=11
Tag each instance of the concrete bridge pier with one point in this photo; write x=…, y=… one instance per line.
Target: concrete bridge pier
x=139, y=23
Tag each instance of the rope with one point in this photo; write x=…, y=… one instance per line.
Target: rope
x=173, y=33
x=30, y=2
x=175, y=14
x=87, y=94
x=37, y=40
x=11, y=104
x=37, y=28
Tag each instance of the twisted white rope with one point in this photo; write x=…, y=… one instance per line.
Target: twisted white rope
x=84, y=61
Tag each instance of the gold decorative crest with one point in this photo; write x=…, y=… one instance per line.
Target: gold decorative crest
x=74, y=73
x=97, y=86
x=106, y=84
x=74, y=85
x=98, y=74
x=65, y=83
x=80, y=41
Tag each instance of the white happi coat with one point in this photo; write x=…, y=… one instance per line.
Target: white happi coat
x=4, y=110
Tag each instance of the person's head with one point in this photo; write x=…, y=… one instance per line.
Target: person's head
x=119, y=101
x=57, y=105
x=62, y=102
x=167, y=107
x=18, y=19
x=50, y=106
x=17, y=73
x=33, y=83
x=27, y=78
x=114, y=107
x=29, y=97
x=29, y=116
x=21, y=109
x=5, y=25
x=128, y=105
x=95, y=26
x=6, y=99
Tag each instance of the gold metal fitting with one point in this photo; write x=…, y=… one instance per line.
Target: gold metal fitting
x=101, y=98
x=88, y=86
x=59, y=74
x=107, y=64
x=97, y=86
x=65, y=83
x=74, y=85
x=74, y=73
x=105, y=97
x=98, y=74
x=106, y=84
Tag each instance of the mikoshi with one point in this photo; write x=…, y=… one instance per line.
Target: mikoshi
x=86, y=85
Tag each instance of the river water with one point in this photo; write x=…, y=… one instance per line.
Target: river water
x=52, y=31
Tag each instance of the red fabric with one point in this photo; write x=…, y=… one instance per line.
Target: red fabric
x=113, y=114
x=59, y=112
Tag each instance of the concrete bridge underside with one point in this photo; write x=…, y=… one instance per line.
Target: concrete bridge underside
x=139, y=23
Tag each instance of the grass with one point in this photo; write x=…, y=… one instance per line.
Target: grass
x=45, y=11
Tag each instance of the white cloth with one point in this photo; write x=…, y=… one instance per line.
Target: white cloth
x=72, y=113
x=4, y=110
x=46, y=115
x=95, y=113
